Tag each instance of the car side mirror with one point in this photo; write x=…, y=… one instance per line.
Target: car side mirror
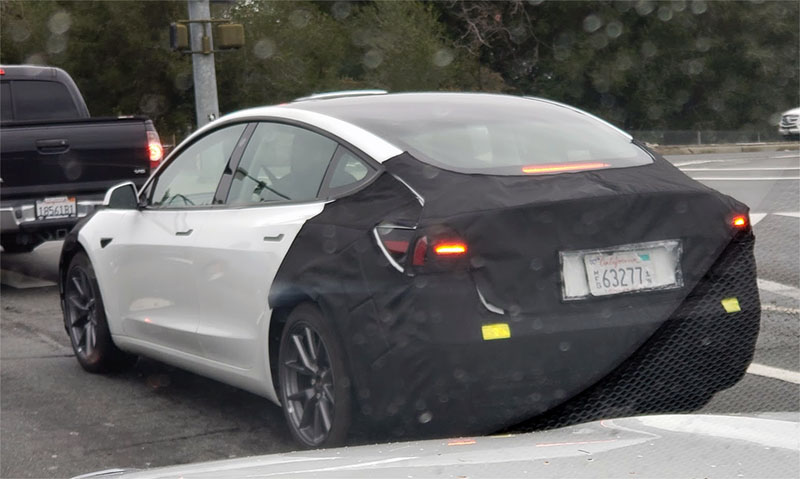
x=122, y=197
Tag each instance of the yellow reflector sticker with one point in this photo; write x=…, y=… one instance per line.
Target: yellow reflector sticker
x=731, y=305
x=495, y=331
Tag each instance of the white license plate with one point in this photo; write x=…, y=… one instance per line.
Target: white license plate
x=57, y=207
x=628, y=268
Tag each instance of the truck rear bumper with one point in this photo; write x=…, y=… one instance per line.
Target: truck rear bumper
x=19, y=217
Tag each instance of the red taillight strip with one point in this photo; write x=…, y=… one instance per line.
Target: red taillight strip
x=555, y=168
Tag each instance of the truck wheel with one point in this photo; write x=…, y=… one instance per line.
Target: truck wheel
x=315, y=388
x=85, y=320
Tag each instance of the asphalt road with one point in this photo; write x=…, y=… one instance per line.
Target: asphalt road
x=59, y=421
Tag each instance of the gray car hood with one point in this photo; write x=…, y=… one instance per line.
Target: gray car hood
x=640, y=447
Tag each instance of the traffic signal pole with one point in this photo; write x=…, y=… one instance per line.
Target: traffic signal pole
x=204, y=73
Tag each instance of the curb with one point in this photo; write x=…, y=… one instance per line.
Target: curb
x=735, y=148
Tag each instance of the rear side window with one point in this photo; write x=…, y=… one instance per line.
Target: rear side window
x=42, y=100
x=5, y=101
x=281, y=163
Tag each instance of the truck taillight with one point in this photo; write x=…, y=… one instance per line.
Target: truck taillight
x=154, y=149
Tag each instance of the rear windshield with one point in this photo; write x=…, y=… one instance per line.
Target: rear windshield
x=490, y=134
x=42, y=100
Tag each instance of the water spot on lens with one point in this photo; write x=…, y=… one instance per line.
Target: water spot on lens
x=563, y=346
x=429, y=172
x=536, y=264
x=152, y=104
x=537, y=324
x=59, y=22
x=614, y=29
x=425, y=417
x=698, y=7
x=694, y=67
x=775, y=119
x=648, y=49
x=72, y=170
x=183, y=80
x=681, y=207
x=264, y=48
x=360, y=38
x=329, y=246
x=559, y=394
x=598, y=41
x=654, y=112
x=644, y=7
x=443, y=57
x=420, y=282
x=341, y=10
x=702, y=44
x=300, y=18
x=678, y=5
x=36, y=59
x=535, y=397
x=479, y=262
x=665, y=14
x=605, y=313
x=329, y=231
x=372, y=59
x=705, y=341
x=592, y=23
x=514, y=310
x=56, y=44
x=19, y=30
x=459, y=374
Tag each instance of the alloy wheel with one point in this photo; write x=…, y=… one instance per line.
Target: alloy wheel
x=82, y=312
x=308, y=385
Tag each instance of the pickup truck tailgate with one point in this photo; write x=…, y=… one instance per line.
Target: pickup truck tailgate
x=72, y=156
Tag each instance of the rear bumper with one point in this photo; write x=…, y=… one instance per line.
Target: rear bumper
x=18, y=217
x=436, y=370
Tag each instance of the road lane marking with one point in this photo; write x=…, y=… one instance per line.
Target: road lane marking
x=743, y=169
x=793, y=214
x=774, y=373
x=763, y=178
x=784, y=156
x=778, y=288
x=756, y=217
x=779, y=309
x=700, y=162
x=22, y=281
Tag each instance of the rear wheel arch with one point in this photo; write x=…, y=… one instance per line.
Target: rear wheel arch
x=282, y=306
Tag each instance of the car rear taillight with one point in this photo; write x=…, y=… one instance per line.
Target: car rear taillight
x=740, y=222
x=154, y=149
x=394, y=240
x=437, y=248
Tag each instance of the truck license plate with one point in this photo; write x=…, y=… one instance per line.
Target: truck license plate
x=56, y=207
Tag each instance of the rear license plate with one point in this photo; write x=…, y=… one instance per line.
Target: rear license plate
x=56, y=207
x=624, y=269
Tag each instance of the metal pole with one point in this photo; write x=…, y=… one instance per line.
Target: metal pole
x=205, y=75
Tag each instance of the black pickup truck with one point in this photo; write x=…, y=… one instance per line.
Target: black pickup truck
x=56, y=162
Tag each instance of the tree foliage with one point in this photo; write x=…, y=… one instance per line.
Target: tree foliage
x=642, y=64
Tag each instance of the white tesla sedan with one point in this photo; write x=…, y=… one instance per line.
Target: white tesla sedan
x=452, y=263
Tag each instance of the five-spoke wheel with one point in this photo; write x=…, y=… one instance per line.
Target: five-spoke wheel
x=85, y=320
x=314, y=388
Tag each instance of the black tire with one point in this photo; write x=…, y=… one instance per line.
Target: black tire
x=85, y=321
x=325, y=386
